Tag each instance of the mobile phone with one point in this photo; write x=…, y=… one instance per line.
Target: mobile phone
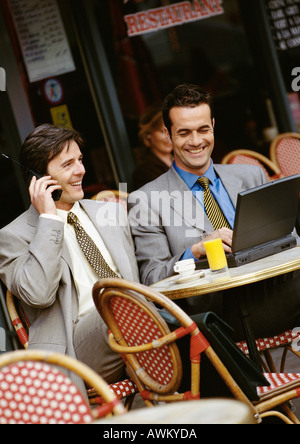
x=56, y=195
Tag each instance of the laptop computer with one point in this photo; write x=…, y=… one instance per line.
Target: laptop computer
x=264, y=221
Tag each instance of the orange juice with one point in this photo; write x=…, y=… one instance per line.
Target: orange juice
x=215, y=254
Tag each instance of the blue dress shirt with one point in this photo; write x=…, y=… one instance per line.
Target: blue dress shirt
x=218, y=191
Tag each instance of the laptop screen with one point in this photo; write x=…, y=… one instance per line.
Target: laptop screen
x=266, y=213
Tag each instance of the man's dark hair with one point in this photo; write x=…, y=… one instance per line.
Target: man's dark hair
x=43, y=144
x=184, y=96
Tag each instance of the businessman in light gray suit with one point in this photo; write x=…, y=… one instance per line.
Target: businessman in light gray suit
x=168, y=219
x=42, y=264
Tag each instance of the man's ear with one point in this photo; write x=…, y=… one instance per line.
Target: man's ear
x=213, y=122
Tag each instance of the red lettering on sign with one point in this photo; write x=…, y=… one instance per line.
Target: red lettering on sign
x=172, y=15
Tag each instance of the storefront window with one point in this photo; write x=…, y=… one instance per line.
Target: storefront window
x=44, y=40
x=10, y=197
x=284, y=21
x=149, y=57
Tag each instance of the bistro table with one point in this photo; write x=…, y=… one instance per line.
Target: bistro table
x=268, y=267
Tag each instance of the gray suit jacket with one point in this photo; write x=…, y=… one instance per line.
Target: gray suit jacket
x=166, y=219
x=35, y=265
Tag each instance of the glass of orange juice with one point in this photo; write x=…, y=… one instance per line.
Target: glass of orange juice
x=216, y=255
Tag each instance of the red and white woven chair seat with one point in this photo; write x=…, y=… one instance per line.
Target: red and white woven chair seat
x=121, y=389
x=138, y=329
x=37, y=393
x=124, y=388
x=279, y=382
x=286, y=338
x=288, y=156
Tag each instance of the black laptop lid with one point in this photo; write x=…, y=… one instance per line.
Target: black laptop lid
x=266, y=213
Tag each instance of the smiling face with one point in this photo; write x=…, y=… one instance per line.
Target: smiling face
x=192, y=135
x=67, y=168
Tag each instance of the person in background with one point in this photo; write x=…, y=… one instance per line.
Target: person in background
x=158, y=156
x=45, y=254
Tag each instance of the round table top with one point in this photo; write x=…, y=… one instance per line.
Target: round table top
x=206, y=411
x=268, y=267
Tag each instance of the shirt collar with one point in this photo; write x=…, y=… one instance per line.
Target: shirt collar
x=64, y=214
x=190, y=179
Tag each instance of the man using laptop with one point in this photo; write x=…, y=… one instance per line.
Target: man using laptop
x=168, y=217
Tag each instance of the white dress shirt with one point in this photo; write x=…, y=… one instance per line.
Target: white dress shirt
x=84, y=275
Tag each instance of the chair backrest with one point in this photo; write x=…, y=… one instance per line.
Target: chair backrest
x=248, y=157
x=137, y=328
x=132, y=319
x=112, y=196
x=34, y=391
x=285, y=153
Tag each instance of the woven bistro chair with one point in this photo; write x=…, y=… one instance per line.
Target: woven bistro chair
x=140, y=334
x=20, y=322
x=285, y=340
x=112, y=196
x=248, y=157
x=124, y=390
x=33, y=390
x=285, y=153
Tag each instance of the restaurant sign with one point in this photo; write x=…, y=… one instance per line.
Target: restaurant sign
x=172, y=15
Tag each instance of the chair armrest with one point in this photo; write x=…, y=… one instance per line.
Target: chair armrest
x=165, y=340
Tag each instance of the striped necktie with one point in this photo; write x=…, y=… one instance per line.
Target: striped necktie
x=214, y=212
x=90, y=250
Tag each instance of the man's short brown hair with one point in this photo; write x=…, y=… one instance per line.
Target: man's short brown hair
x=43, y=144
x=184, y=96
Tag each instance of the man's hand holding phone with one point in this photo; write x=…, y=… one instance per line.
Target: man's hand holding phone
x=40, y=191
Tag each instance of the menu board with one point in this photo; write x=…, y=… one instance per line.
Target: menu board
x=284, y=17
x=42, y=38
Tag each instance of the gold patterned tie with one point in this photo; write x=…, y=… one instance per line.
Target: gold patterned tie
x=214, y=212
x=90, y=250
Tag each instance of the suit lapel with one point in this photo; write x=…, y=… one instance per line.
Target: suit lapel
x=192, y=212
x=231, y=182
x=185, y=204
